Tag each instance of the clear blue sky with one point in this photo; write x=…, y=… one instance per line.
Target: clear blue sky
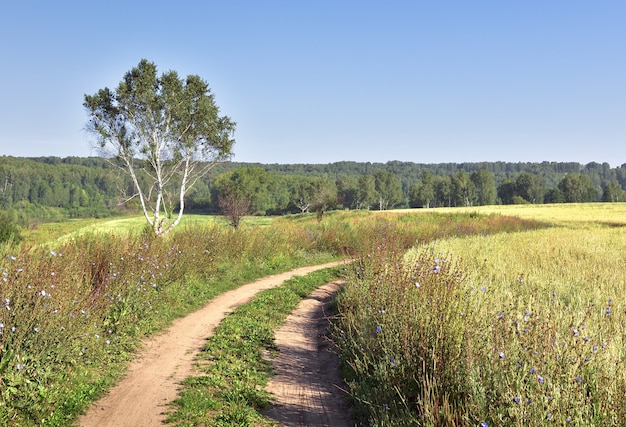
x=324, y=81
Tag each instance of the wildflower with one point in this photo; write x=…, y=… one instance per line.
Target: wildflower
x=516, y=399
x=36, y=329
x=108, y=342
x=19, y=367
x=379, y=329
x=608, y=311
x=575, y=331
x=579, y=380
x=483, y=289
x=502, y=355
x=532, y=370
x=540, y=379
x=483, y=424
x=43, y=293
x=568, y=420
x=53, y=253
x=548, y=416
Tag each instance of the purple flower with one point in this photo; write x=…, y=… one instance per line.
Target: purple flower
x=516, y=399
x=540, y=379
x=502, y=355
x=379, y=329
x=483, y=424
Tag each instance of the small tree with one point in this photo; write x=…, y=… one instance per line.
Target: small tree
x=164, y=132
x=324, y=196
x=234, y=205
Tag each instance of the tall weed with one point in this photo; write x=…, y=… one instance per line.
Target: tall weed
x=495, y=329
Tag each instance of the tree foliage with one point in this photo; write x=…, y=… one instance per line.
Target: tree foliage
x=388, y=189
x=164, y=131
x=51, y=188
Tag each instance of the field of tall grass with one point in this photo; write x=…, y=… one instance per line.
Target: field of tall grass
x=73, y=310
x=449, y=317
x=515, y=329
x=75, y=302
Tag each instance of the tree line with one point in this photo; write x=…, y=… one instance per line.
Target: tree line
x=47, y=187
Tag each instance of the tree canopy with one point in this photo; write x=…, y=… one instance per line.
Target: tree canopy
x=164, y=132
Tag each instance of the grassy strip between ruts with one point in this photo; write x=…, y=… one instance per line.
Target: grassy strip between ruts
x=230, y=389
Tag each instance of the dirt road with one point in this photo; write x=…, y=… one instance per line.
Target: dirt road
x=307, y=383
x=153, y=378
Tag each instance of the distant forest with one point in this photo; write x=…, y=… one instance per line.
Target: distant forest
x=48, y=188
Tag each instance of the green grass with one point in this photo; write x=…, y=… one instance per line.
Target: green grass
x=81, y=302
x=521, y=329
x=68, y=312
x=229, y=391
x=53, y=233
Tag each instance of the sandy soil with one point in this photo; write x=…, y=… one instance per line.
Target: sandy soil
x=307, y=383
x=152, y=380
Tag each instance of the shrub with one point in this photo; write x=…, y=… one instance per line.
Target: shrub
x=9, y=231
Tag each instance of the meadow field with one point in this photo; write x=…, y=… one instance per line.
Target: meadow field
x=481, y=316
x=515, y=329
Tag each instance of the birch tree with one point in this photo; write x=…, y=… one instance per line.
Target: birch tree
x=164, y=132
